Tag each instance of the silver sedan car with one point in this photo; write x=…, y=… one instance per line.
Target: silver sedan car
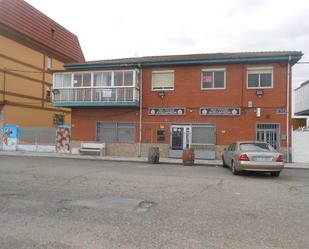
x=253, y=156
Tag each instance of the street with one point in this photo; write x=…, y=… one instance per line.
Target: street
x=86, y=204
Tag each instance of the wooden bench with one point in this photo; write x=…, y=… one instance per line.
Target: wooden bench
x=92, y=148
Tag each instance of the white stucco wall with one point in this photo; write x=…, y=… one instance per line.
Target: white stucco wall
x=300, y=146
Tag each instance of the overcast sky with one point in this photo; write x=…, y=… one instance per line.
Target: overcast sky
x=120, y=28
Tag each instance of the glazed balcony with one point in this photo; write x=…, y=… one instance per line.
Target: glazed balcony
x=302, y=99
x=106, y=88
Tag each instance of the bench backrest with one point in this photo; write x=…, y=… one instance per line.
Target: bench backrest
x=92, y=146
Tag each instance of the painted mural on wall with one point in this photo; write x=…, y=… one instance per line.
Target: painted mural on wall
x=63, y=138
x=9, y=137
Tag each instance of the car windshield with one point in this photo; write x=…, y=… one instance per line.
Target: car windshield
x=255, y=147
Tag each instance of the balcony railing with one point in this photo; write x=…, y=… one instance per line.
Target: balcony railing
x=106, y=88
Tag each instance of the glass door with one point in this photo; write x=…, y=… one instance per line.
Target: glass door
x=181, y=137
x=177, y=138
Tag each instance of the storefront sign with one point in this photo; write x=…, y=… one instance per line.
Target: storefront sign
x=166, y=111
x=281, y=111
x=220, y=111
x=10, y=137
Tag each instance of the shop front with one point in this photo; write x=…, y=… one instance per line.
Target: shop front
x=200, y=137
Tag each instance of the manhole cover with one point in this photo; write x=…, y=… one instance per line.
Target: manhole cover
x=117, y=204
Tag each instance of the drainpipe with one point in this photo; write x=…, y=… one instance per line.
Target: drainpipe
x=140, y=110
x=4, y=85
x=288, y=110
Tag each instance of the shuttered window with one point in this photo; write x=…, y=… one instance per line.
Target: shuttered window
x=260, y=77
x=114, y=132
x=163, y=80
x=204, y=134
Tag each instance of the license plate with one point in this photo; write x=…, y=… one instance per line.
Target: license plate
x=263, y=159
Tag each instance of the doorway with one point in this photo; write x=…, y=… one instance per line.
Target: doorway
x=181, y=137
x=270, y=133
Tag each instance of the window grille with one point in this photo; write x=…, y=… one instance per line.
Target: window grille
x=116, y=132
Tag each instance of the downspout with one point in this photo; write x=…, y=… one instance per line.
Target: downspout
x=4, y=84
x=288, y=110
x=140, y=110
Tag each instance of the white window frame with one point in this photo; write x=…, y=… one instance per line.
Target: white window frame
x=82, y=82
x=163, y=89
x=133, y=71
x=62, y=74
x=260, y=71
x=213, y=70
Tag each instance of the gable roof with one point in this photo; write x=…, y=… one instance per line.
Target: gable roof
x=193, y=59
x=25, y=19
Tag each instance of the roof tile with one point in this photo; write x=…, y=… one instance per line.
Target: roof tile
x=25, y=19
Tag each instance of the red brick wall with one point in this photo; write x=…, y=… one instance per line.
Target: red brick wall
x=84, y=120
x=187, y=93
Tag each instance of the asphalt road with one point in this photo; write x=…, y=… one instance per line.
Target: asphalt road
x=66, y=203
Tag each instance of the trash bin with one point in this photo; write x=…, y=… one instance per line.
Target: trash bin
x=153, y=155
x=188, y=157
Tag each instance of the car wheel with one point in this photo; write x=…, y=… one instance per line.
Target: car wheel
x=234, y=170
x=275, y=174
x=223, y=163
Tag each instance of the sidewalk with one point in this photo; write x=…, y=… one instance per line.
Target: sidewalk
x=130, y=159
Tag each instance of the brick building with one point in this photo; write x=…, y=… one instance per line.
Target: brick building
x=204, y=101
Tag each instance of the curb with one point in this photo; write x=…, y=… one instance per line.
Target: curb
x=114, y=159
x=119, y=159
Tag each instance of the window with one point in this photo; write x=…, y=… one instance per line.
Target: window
x=86, y=79
x=82, y=79
x=58, y=119
x=98, y=79
x=118, y=78
x=49, y=62
x=204, y=134
x=260, y=77
x=48, y=93
x=102, y=79
x=77, y=79
x=63, y=80
x=160, y=135
x=128, y=78
x=213, y=79
x=255, y=147
x=114, y=132
x=107, y=78
x=163, y=80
